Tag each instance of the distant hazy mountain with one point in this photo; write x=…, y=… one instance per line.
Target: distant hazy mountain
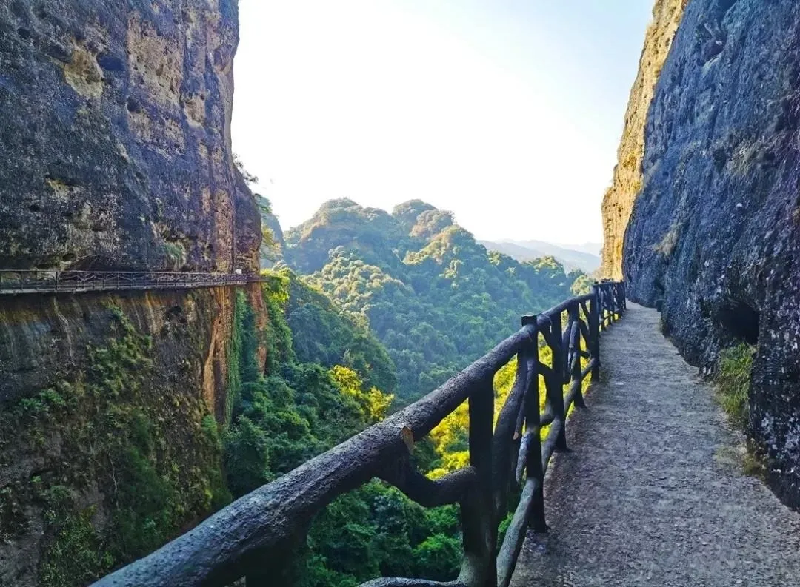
x=585, y=257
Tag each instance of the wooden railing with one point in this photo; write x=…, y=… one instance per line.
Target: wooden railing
x=258, y=535
x=15, y=282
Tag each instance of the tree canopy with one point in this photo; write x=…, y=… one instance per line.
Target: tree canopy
x=424, y=286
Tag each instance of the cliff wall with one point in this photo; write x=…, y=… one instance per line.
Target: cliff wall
x=109, y=428
x=115, y=153
x=627, y=181
x=714, y=236
x=115, y=146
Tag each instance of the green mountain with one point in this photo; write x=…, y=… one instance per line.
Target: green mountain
x=434, y=296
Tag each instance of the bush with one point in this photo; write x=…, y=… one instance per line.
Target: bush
x=733, y=382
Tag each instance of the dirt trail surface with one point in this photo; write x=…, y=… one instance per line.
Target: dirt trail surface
x=652, y=491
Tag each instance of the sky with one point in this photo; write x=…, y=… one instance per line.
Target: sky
x=506, y=112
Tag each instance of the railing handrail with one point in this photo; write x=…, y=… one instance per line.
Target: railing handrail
x=257, y=535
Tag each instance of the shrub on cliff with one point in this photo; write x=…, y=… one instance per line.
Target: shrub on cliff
x=733, y=382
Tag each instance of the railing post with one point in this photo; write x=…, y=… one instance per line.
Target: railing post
x=624, y=289
x=477, y=511
x=603, y=297
x=594, y=331
x=532, y=426
x=575, y=351
x=555, y=386
x=615, y=302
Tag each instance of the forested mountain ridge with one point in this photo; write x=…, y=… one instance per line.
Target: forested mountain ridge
x=427, y=289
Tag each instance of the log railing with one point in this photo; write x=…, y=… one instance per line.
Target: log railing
x=15, y=282
x=257, y=536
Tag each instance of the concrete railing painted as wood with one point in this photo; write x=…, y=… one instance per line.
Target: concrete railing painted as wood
x=16, y=282
x=258, y=535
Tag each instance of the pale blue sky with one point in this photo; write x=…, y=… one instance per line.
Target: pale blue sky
x=507, y=112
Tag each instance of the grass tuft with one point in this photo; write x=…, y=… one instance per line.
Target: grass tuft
x=733, y=383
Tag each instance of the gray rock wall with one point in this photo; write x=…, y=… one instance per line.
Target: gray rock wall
x=714, y=237
x=115, y=136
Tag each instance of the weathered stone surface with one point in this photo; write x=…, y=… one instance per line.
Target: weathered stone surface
x=627, y=183
x=115, y=146
x=714, y=237
x=47, y=342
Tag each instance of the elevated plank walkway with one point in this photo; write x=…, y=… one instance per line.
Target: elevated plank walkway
x=652, y=492
x=17, y=282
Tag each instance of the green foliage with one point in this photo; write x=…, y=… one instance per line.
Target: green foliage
x=309, y=398
x=581, y=283
x=323, y=333
x=733, y=382
x=440, y=556
x=376, y=531
x=77, y=556
x=292, y=410
x=271, y=251
x=111, y=429
x=431, y=294
x=175, y=253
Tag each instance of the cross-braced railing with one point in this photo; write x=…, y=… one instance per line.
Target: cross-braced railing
x=16, y=282
x=258, y=535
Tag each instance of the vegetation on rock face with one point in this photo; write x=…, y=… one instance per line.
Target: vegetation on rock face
x=430, y=293
x=733, y=382
x=117, y=478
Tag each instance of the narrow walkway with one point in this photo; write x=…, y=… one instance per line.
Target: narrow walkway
x=17, y=282
x=653, y=491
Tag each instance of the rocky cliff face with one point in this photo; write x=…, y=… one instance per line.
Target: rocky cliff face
x=627, y=182
x=115, y=137
x=714, y=237
x=115, y=153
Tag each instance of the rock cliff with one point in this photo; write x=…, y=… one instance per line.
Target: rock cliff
x=627, y=182
x=115, y=153
x=115, y=144
x=714, y=236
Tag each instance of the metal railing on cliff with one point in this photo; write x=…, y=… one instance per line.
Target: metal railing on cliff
x=258, y=535
x=15, y=282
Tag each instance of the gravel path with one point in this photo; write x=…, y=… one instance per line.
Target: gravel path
x=652, y=492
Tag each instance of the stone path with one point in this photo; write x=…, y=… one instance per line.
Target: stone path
x=652, y=492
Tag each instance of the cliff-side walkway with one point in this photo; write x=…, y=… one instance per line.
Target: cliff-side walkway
x=652, y=492
x=17, y=282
